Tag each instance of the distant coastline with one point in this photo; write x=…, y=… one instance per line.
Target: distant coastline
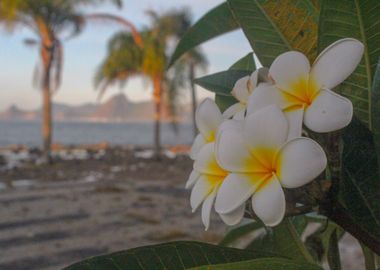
x=117, y=109
x=28, y=133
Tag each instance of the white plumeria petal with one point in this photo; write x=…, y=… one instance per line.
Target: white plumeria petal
x=337, y=62
x=240, y=90
x=207, y=207
x=328, y=112
x=200, y=191
x=194, y=176
x=269, y=203
x=267, y=127
x=231, y=151
x=263, y=96
x=295, y=120
x=235, y=190
x=288, y=68
x=198, y=143
x=299, y=162
x=228, y=124
x=260, y=75
x=234, y=217
x=239, y=115
x=233, y=110
x=208, y=118
x=206, y=161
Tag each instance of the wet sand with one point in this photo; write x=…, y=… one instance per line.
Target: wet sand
x=93, y=202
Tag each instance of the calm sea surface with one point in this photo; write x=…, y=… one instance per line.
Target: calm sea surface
x=68, y=133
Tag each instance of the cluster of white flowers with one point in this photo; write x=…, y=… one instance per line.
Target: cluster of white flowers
x=255, y=148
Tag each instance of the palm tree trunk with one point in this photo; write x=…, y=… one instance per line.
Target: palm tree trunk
x=193, y=97
x=47, y=57
x=157, y=93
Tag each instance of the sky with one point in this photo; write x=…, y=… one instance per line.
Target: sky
x=83, y=54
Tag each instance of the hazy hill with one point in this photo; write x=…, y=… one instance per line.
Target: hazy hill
x=116, y=109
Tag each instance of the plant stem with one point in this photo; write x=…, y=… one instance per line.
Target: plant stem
x=333, y=256
x=339, y=215
x=369, y=258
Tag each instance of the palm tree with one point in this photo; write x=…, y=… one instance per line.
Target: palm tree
x=175, y=24
x=53, y=21
x=125, y=59
x=194, y=59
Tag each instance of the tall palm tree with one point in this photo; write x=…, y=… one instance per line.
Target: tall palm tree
x=53, y=21
x=194, y=59
x=175, y=23
x=126, y=59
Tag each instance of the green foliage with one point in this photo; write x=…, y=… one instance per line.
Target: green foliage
x=216, y=22
x=284, y=239
x=262, y=264
x=245, y=63
x=59, y=17
x=175, y=255
x=361, y=20
x=360, y=181
x=240, y=231
x=222, y=83
x=333, y=257
x=319, y=242
x=224, y=102
x=369, y=257
x=273, y=27
x=376, y=110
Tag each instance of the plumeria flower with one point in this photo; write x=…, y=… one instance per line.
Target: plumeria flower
x=242, y=90
x=261, y=162
x=208, y=118
x=205, y=180
x=303, y=92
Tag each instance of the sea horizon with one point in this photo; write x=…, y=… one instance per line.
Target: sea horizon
x=115, y=133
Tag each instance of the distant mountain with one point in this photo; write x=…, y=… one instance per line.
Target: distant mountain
x=116, y=109
x=14, y=113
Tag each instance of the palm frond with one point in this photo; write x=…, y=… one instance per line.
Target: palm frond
x=105, y=17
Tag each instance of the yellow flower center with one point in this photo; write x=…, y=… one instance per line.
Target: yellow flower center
x=263, y=165
x=210, y=137
x=302, y=93
x=218, y=174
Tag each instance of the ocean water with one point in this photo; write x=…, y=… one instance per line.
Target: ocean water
x=74, y=133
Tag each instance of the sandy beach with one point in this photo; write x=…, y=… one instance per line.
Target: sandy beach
x=99, y=200
x=54, y=216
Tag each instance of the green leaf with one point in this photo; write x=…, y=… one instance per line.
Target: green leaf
x=221, y=83
x=369, y=258
x=318, y=243
x=170, y=256
x=333, y=256
x=216, y=22
x=376, y=110
x=224, y=102
x=358, y=19
x=273, y=27
x=285, y=240
x=263, y=264
x=359, y=188
x=245, y=63
x=240, y=231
